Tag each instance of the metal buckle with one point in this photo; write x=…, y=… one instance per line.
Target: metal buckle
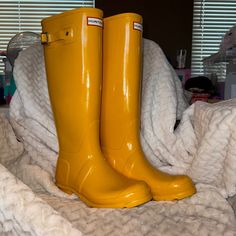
x=44, y=38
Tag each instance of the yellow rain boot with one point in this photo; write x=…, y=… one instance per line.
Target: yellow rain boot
x=120, y=112
x=73, y=57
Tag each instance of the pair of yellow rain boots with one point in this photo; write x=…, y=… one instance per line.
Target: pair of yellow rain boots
x=93, y=73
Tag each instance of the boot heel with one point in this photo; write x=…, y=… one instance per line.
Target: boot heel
x=65, y=189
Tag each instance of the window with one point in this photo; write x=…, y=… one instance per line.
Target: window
x=26, y=15
x=211, y=19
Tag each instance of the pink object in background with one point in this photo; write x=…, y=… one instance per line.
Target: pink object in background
x=3, y=53
x=8, y=98
x=200, y=97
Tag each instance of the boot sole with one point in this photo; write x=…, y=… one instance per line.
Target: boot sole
x=176, y=196
x=89, y=203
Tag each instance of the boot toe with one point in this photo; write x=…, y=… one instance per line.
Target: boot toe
x=180, y=187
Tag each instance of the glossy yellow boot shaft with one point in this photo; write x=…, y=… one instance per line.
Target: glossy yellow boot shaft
x=73, y=57
x=120, y=112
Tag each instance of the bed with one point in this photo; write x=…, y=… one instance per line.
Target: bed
x=202, y=146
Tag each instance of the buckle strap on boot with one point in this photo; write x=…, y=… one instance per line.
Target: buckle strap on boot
x=65, y=34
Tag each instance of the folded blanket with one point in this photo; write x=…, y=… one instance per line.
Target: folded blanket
x=203, y=145
x=21, y=211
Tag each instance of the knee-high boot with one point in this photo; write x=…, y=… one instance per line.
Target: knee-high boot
x=120, y=112
x=73, y=57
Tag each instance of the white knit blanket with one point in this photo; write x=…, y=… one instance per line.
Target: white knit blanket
x=203, y=146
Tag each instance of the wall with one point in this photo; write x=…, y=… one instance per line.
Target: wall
x=167, y=22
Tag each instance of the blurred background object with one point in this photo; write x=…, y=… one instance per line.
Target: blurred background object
x=19, y=42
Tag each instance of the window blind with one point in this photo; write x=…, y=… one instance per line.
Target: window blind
x=26, y=15
x=211, y=19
